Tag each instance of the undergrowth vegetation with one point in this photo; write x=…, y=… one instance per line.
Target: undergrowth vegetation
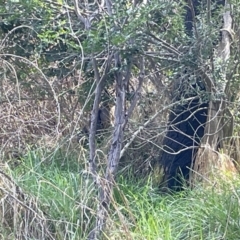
x=89, y=93
x=67, y=196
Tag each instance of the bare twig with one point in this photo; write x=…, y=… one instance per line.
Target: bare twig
x=190, y=3
x=94, y=114
x=137, y=92
x=209, y=11
x=109, y=6
x=149, y=121
x=166, y=45
x=84, y=20
x=106, y=184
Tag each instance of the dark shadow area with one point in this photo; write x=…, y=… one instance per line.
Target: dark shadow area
x=186, y=128
x=187, y=121
x=197, y=7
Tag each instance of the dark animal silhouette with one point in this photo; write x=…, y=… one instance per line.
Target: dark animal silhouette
x=187, y=121
x=186, y=128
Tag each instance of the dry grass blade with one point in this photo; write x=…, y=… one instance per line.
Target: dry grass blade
x=20, y=213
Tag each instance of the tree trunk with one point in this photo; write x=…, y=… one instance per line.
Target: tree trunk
x=207, y=159
x=196, y=130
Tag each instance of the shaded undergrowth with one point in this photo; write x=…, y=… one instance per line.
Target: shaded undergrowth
x=67, y=196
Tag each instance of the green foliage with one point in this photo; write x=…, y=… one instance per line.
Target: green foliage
x=197, y=214
x=138, y=210
x=50, y=35
x=65, y=195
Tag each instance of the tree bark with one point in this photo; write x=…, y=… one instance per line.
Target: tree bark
x=190, y=129
x=215, y=129
x=106, y=184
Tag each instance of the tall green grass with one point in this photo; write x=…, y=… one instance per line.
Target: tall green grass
x=192, y=214
x=138, y=210
x=66, y=195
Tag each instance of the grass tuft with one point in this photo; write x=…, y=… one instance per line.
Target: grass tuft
x=68, y=199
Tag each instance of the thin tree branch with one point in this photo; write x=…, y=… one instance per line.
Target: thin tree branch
x=190, y=3
x=106, y=185
x=149, y=121
x=209, y=11
x=109, y=7
x=94, y=113
x=84, y=20
x=166, y=45
x=137, y=93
